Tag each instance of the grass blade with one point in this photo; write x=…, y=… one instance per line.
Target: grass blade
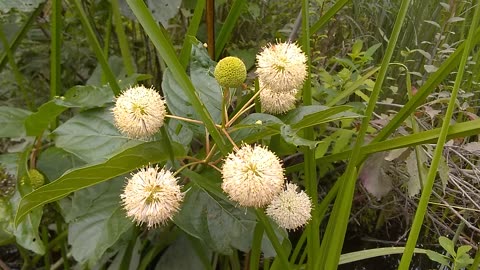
x=92, y=39
x=122, y=39
x=375, y=252
x=55, y=51
x=444, y=70
x=273, y=238
x=325, y=18
x=238, y=7
x=432, y=173
x=20, y=35
x=337, y=224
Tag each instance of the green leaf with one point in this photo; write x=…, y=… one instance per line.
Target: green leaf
x=12, y=121
x=87, y=96
x=463, y=250
x=83, y=97
x=437, y=257
x=255, y=127
x=369, y=52
x=290, y=136
x=219, y=224
x=26, y=233
x=463, y=261
x=22, y=6
x=342, y=139
x=238, y=7
x=76, y=97
x=164, y=10
x=325, y=18
x=308, y=116
x=53, y=162
x=6, y=216
x=73, y=180
x=217, y=221
x=372, y=253
x=96, y=214
x=91, y=135
x=37, y=122
x=9, y=163
x=206, y=87
x=182, y=248
x=357, y=48
x=448, y=245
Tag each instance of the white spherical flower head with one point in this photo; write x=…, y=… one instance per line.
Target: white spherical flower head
x=282, y=66
x=277, y=102
x=252, y=176
x=139, y=112
x=152, y=196
x=290, y=209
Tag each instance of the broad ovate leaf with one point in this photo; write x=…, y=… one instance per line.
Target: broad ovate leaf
x=91, y=135
x=12, y=121
x=96, y=214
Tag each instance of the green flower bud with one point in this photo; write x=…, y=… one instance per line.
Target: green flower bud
x=230, y=72
x=36, y=178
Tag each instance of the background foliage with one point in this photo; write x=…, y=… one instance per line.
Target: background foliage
x=391, y=99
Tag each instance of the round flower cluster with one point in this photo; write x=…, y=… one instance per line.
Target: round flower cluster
x=290, y=209
x=152, y=196
x=252, y=176
x=281, y=70
x=139, y=112
x=277, y=102
x=230, y=72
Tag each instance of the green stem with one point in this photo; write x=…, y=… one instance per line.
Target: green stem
x=55, y=51
x=258, y=107
x=273, y=239
x=312, y=229
x=225, y=103
x=106, y=45
x=298, y=247
x=62, y=244
x=122, y=39
x=234, y=261
x=46, y=257
x=201, y=252
x=432, y=173
x=256, y=247
x=476, y=261
x=337, y=224
x=96, y=47
x=127, y=257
